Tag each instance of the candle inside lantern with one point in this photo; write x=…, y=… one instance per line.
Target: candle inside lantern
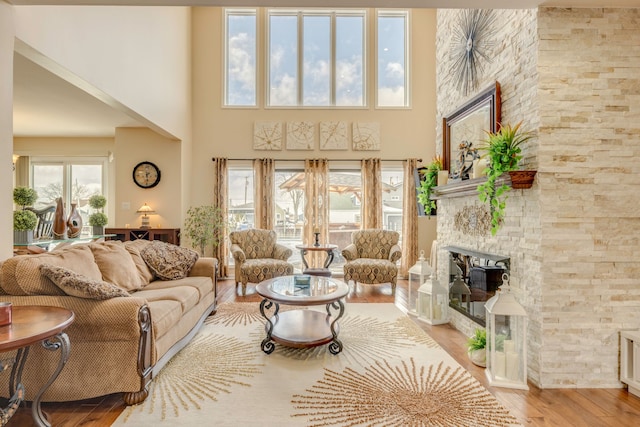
x=316, y=230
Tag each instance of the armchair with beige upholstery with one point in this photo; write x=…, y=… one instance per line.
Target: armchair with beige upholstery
x=258, y=257
x=371, y=257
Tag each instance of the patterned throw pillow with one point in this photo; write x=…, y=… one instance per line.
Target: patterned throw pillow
x=167, y=261
x=77, y=285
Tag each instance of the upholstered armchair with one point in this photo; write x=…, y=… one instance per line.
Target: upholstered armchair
x=258, y=257
x=371, y=257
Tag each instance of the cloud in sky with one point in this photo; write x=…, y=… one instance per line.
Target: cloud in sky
x=242, y=71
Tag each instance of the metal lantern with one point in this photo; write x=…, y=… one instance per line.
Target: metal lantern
x=433, y=302
x=506, y=339
x=418, y=274
x=460, y=292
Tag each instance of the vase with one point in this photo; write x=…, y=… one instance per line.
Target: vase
x=74, y=223
x=98, y=230
x=479, y=357
x=21, y=237
x=522, y=179
x=59, y=221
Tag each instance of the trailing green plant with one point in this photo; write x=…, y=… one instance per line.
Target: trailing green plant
x=98, y=219
x=24, y=219
x=430, y=180
x=502, y=149
x=478, y=341
x=205, y=225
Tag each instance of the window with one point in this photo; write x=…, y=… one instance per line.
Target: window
x=241, y=206
x=316, y=58
x=392, y=88
x=240, y=73
x=73, y=180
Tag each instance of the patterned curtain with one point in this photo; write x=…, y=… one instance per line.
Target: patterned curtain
x=220, y=198
x=371, y=203
x=316, y=208
x=264, y=171
x=409, y=219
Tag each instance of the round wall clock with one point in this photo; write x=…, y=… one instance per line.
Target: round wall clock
x=472, y=39
x=146, y=175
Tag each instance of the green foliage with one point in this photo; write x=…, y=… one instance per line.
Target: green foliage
x=24, y=196
x=205, y=225
x=98, y=219
x=24, y=220
x=478, y=341
x=97, y=201
x=502, y=149
x=430, y=180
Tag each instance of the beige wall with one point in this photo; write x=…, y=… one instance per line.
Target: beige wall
x=6, y=127
x=135, y=145
x=227, y=132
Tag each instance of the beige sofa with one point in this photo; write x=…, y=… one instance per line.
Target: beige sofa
x=117, y=344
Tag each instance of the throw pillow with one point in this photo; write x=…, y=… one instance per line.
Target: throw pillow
x=77, y=285
x=167, y=261
x=116, y=265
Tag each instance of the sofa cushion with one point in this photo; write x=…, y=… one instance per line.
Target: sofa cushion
x=167, y=261
x=24, y=277
x=203, y=284
x=116, y=265
x=134, y=247
x=77, y=285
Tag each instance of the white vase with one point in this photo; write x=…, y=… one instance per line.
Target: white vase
x=478, y=357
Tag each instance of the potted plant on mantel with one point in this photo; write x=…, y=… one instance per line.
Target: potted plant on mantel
x=24, y=221
x=98, y=219
x=205, y=225
x=502, y=150
x=430, y=180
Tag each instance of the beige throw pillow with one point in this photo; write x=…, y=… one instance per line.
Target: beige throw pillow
x=167, y=261
x=134, y=247
x=116, y=265
x=77, y=285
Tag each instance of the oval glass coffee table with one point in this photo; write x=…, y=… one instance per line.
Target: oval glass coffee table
x=302, y=328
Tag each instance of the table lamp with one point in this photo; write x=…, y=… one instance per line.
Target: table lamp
x=145, y=210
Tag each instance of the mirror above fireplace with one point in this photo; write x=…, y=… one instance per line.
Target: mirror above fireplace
x=473, y=278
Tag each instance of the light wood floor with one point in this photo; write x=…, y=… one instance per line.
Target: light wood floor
x=550, y=407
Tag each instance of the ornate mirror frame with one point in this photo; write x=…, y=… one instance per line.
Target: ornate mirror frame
x=484, y=108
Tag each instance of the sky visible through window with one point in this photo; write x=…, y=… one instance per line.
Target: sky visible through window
x=324, y=78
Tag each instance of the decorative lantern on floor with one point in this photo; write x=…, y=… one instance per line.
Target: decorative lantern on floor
x=433, y=302
x=506, y=339
x=418, y=274
x=460, y=292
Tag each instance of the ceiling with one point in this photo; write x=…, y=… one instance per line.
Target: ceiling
x=47, y=105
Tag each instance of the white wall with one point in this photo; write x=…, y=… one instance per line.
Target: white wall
x=6, y=128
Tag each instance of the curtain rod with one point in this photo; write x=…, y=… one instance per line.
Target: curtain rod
x=331, y=160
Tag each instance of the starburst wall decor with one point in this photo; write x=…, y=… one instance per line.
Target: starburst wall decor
x=473, y=38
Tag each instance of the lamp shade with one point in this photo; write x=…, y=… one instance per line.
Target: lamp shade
x=145, y=209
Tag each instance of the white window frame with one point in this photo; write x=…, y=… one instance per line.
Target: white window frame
x=225, y=77
x=300, y=13
x=407, y=56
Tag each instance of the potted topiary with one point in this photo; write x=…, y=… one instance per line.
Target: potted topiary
x=430, y=180
x=476, y=347
x=98, y=219
x=24, y=221
x=205, y=225
x=502, y=151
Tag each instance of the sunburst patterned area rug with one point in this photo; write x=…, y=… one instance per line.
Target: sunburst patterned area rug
x=389, y=373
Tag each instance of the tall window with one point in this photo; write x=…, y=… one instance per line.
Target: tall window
x=241, y=204
x=316, y=58
x=240, y=87
x=73, y=180
x=393, y=65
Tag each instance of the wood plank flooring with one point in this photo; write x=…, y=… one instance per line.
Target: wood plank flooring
x=535, y=407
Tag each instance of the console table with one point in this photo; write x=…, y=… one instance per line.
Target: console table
x=32, y=325
x=168, y=235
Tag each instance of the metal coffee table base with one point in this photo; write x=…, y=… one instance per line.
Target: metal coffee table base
x=301, y=328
